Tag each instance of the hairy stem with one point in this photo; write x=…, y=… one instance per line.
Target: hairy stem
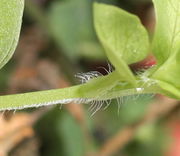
x=101, y=88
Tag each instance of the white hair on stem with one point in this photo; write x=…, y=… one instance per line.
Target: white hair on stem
x=85, y=77
x=101, y=100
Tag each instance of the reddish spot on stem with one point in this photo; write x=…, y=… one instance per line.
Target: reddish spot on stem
x=148, y=62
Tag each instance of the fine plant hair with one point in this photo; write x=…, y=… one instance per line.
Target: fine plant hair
x=95, y=104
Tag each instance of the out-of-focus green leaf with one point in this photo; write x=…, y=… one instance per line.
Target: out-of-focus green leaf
x=131, y=110
x=72, y=136
x=91, y=50
x=150, y=139
x=71, y=23
x=10, y=24
x=60, y=134
x=48, y=133
x=122, y=36
x=134, y=108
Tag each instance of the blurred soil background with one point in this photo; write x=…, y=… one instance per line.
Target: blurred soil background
x=58, y=41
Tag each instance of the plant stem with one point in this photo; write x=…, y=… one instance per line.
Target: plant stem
x=100, y=89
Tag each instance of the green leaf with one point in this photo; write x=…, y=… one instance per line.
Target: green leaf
x=10, y=23
x=166, y=46
x=167, y=35
x=71, y=135
x=122, y=36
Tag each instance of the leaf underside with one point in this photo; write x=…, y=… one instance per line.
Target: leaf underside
x=10, y=24
x=123, y=37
